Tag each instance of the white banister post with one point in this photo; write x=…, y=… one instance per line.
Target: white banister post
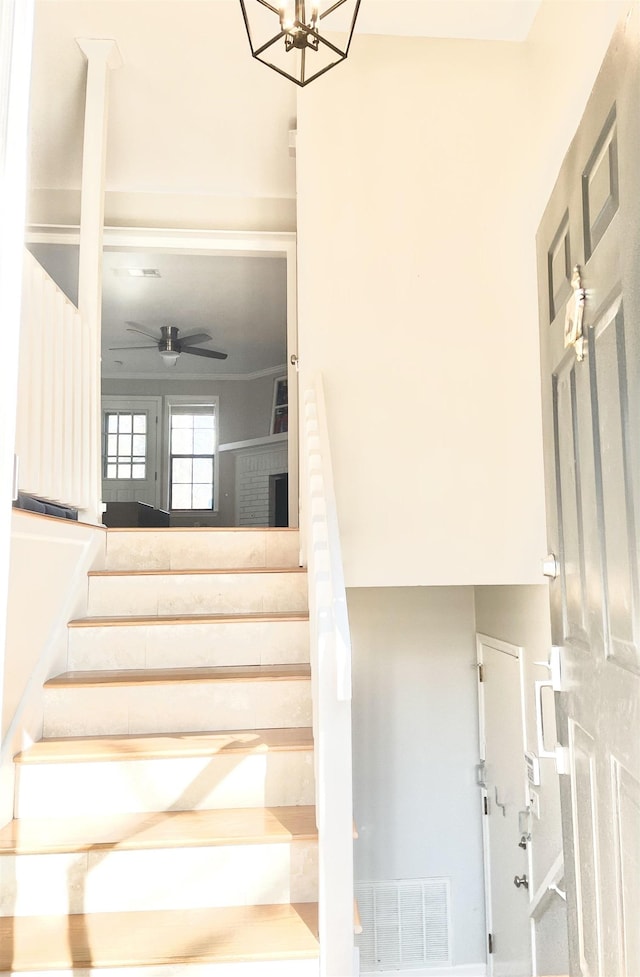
x=102, y=56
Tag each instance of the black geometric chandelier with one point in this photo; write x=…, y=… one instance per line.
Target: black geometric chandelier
x=290, y=36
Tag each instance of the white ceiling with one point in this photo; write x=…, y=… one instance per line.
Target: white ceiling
x=485, y=20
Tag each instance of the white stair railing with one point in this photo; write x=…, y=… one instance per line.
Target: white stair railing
x=54, y=394
x=331, y=689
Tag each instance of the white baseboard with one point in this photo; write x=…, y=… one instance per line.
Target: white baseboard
x=464, y=970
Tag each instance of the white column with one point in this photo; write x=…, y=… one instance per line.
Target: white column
x=16, y=40
x=102, y=56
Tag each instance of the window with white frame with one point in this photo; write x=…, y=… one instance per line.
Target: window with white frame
x=125, y=444
x=192, y=455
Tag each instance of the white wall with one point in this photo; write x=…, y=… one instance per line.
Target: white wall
x=415, y=746
x=49, y=560
x=406, y=207
x=198, y=130
x=423, y=167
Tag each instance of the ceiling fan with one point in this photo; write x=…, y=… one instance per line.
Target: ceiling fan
x=170, y=345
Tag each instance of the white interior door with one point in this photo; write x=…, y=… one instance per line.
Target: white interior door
x=502, y=779
x=130, y=449
x=591, y=398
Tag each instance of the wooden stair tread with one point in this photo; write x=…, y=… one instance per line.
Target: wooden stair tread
x=157, y=938
x=86, y=749
x=257, y=617
x=165, y=829
x=164, y=676
x=233, y=571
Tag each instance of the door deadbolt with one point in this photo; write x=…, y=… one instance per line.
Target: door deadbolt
x=521, y=881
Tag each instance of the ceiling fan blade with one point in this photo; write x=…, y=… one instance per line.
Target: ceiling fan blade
x=211, y=353
x=193, y=338
x=134, y=327
x=132, y=347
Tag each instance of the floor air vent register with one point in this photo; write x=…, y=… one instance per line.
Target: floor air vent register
x=405, y=924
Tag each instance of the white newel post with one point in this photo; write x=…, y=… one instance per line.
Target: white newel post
x=102, y=56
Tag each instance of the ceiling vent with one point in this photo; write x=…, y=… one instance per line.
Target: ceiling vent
x=136, y=273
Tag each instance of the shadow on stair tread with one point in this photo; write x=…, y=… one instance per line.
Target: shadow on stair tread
x=73, y=749
x=148, y=938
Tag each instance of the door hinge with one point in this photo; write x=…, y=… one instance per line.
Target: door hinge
x=486, y=805
x=480, y=673
x=490, y=942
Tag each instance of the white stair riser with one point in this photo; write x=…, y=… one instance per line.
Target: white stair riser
x=255, y=968
x=200, y=593
x=189, y=645
x=201, y=551
x=177, y=707
x=158, y=879
x=274, y=779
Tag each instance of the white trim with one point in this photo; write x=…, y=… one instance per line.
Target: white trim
x=517, y=652
x=178, y=400
x=253, y=442
x=462, y=970
x=249, y=243
x=256, y=375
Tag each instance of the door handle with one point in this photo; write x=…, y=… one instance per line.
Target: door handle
x=521, y=881
x=480, y=774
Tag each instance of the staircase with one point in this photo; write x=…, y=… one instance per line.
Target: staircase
x=166, y=820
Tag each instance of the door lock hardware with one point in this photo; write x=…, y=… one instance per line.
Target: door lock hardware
x=521, y=881
x=574, y=316
x=550, y=566
x=554, y=665
x=524, y=823
x=498, y=804
x=523, y=842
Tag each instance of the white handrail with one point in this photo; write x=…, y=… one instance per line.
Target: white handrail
x=331, y=689
x=52, y=431
x=549, y=886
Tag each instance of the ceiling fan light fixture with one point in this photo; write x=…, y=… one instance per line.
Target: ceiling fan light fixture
x=291, y=36
x=169, y=356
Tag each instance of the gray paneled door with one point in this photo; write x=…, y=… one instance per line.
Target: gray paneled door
x=591, y=394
